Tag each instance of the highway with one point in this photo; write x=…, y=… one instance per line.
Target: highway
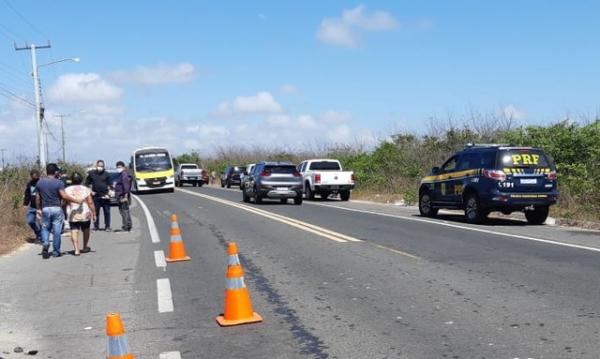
x=347, y=280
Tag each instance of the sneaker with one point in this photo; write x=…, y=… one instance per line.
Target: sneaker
x=86, y=250
x=45, y=253
x=107, y=229
x=56, y=254
x=96, y=229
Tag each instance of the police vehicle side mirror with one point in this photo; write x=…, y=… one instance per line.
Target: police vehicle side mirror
x=435, y=170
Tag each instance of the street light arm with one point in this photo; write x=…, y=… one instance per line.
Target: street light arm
x=74, y=59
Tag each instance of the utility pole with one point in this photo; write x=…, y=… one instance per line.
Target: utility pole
x=39, y=110
x=2, y=150
x=62, y=135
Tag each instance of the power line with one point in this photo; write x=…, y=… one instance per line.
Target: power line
x=33, y=27
x=12, y=95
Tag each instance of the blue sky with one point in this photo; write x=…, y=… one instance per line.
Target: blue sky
x=197, y=74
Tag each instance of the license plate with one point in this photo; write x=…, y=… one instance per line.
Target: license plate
x=282, y=188
x=156, y=182
x=335, y=187
x=528, y=181
x=193, y=177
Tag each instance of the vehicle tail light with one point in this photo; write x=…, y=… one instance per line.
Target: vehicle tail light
x=495, y=175
x=317, y=178
x=552, y=175
x=265, y=173
x=353, y=177
x=297, y=174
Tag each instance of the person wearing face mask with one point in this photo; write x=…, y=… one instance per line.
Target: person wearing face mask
x=29, y=204
x=99, y=181
x=122, y=192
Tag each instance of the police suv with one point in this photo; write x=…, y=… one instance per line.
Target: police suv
x=485, y=178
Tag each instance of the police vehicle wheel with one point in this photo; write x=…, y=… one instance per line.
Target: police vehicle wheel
x=245, y=197
x=425, y=206
x=298, y=200
x=538, y=215
x=473, y=211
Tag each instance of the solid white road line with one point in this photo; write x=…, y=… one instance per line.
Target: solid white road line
x=453, y=225
x=165, y=297
x=320, y=231
x=151, y=225
x=169, y=355
x=159, y=259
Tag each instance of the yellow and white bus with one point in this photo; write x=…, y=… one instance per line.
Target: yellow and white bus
x=152, y=170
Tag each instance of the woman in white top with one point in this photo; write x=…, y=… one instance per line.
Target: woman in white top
x=80, y=215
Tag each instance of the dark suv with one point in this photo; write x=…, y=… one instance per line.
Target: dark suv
x=278, y=180
x=231, y=176
x=485, y=178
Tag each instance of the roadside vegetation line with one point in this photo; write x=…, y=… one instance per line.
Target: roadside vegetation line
x=159, y=259
x=165, y=296
x=151, y=225
x=452, y=225
x=402, y=253
x=323, y=232
x=169, y=355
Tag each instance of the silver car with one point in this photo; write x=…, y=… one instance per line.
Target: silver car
x=273, y=180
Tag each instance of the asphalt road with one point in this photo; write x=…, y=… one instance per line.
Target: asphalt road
x=359, y=281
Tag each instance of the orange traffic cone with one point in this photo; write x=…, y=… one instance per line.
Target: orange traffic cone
x=176, y=247
x=117, y=347
x=238, y=306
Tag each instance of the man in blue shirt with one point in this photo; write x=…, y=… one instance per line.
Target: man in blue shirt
x=49, y=193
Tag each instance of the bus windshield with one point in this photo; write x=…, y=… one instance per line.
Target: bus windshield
x=152, y=161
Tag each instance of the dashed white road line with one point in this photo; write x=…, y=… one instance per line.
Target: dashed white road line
x=452, y=225
x=169, y=355
x=159, y=259
x=165, y=296
x=151, y=225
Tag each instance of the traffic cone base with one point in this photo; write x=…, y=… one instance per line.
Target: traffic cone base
x=182, y=259
x=128, y=356
x=228, y=323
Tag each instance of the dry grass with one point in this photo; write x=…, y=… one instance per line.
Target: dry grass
x=14, y=230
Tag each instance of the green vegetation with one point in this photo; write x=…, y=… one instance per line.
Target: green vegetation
x=395, y=167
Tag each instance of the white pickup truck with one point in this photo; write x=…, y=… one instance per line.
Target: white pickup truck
x=325, y=177
x=188, y=173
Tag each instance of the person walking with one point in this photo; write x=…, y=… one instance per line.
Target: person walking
x=49, y=192
x=123, y=194
x=29, y=204
x=99, y=181
x=80, y=215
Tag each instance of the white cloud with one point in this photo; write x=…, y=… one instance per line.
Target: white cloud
x=288, y=89
x=345, y=30
x=340, y=134
x=512, y=112
x=261, y=103
x=208, y=130
x=306, y=122
x=157, y=75
x=376, y=21
x=83, y=88
x=279, y=120
x=336, y=117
